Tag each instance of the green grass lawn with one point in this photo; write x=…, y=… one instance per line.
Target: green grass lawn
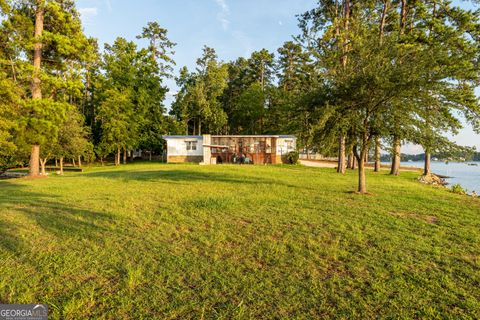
x=185, y=241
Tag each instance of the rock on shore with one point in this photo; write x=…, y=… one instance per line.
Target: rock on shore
x=432, y=179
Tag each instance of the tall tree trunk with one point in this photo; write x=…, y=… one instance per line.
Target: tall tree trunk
x=426, y=169
x=150, y=155
x=346, y=25
x=383, y=20
x=117, y=157
x=61, y=165
x=403, y=16
x=34, y=169
x=37, y=50
x=346, y=16
x=79, y=161
x=341, y=155
x=377, y=154
x=43, y=162
x=351, y=160
x=262, y=76
x=101, y=161
x=56, y=163
x=86, y=90
x=395, y=170
x=36, y=82
x=73, y=162
x=124, y=156
x=14, y=73
x=362, y=182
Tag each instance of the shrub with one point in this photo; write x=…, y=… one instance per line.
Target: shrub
x=458, y=189
x=292, y=157
x=8, y=162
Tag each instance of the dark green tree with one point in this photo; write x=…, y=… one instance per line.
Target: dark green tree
x=45, y=45
x=375, y=77
x=198, y=102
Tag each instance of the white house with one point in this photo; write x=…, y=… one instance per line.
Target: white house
x=208, y=149
x=184, y=148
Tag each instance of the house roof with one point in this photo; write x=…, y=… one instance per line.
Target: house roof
x=255, y=136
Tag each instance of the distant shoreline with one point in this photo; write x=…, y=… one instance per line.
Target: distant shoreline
x=453, y=172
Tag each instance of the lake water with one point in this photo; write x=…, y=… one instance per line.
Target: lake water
x=460, y=172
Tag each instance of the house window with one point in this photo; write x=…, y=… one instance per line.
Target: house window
x=289, y=144
x=191, y=145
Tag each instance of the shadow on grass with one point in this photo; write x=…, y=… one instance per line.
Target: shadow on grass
x=9, y=240
x=28, y=216
x=187, y=176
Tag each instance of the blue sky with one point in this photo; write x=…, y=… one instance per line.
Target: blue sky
x=233, y=27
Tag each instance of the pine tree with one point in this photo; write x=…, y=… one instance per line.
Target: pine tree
x=53, y=29
x=198, y=102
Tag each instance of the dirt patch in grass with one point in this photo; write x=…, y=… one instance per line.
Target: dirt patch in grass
x=424, y=218
x=244, y=222
x=27, y=177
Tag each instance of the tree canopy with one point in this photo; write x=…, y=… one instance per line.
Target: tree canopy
x=360, y=77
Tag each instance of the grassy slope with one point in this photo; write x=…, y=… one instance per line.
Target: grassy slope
x=184, y=241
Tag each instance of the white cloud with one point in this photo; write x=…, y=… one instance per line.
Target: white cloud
x=280, y=23
x=108, y=3
x=93, y=11
x=222, y=16
x=222, y=4
x=225, y=22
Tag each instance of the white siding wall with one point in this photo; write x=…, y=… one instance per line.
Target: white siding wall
x=282, y=145
x=178, y=147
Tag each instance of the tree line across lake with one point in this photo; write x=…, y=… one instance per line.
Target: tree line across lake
x=441, y=156
x=360, y=77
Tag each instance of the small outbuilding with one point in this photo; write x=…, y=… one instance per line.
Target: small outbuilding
x=212, y=149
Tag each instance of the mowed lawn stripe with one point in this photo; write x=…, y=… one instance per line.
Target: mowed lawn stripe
x=183, y=241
